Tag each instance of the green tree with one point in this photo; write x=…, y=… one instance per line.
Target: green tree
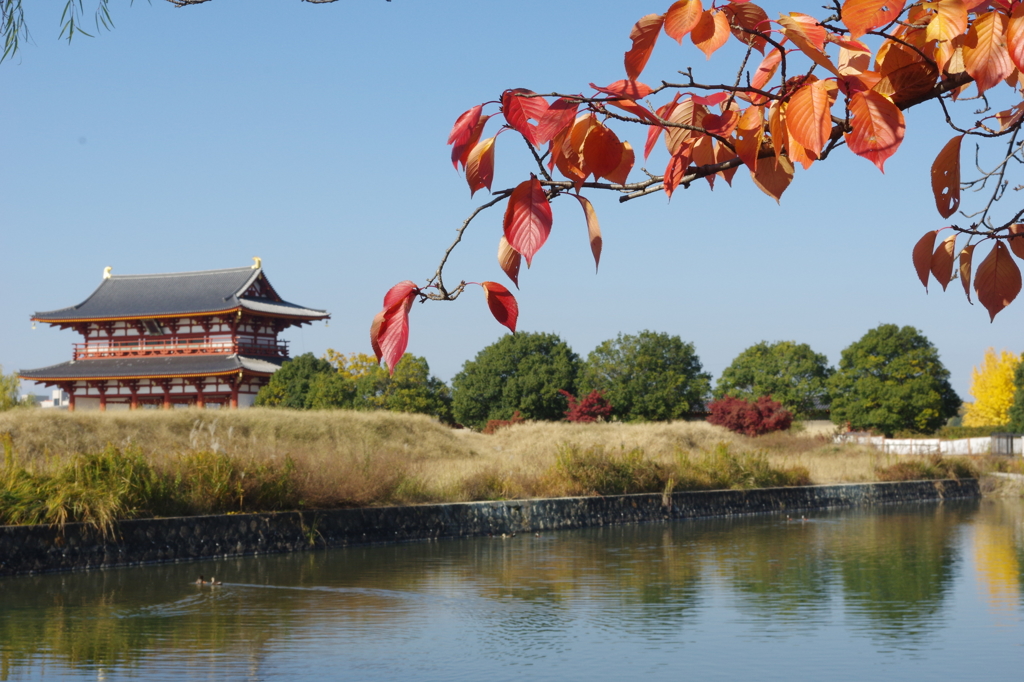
x=648, y=377
x=409, y=389
x=892, y=380
x=290, y=385
x=1017, y=409
x=9, y=387
x=790, y=372
x=331, y=390
x=521, y=372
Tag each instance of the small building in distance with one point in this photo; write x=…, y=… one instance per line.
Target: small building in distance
x=205, y=339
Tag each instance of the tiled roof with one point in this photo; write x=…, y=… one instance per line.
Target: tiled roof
x=180, y=293
x=154, y=367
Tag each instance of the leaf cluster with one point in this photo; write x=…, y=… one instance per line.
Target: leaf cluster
x=993, y=390
x=594, y=407
x=751, y=418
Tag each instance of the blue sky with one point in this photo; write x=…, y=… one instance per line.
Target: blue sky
x=314, y=136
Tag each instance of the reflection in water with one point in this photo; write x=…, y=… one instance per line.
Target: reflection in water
x=919, y=590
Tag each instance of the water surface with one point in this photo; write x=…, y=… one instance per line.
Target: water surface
x=923, y=592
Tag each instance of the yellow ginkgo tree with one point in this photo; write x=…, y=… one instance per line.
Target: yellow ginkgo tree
x=992, y=388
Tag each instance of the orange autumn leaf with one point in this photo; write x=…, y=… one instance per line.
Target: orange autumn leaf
x=986, y=58
x=923, y=256
x=687, y=113
x=997, y=280
x=601, y=151
x=878, y=127
x=942, y=261
x=676, y=169
x=749, y=133
x=593, y=229
x=1015, y=36
x=480, y=166
x=389, y=332
x=773, y=176
x=1016, y=243
x=746, y=20
x=509, y=260
x=809, y=116
x=644, y=35
x=948, y=21
x=711, y=32
x=966, y=256
x=861, y=16
x=809, y=36
x=946, y=178
x=681, y=18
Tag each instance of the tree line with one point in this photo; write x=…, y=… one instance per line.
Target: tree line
x=889, y=381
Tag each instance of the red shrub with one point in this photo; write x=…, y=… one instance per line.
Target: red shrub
x=591, y=409
x=495, y=424
x=752, y=419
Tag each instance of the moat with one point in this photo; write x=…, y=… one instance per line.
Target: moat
x=919, y=591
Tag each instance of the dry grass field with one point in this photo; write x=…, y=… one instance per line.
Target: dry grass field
x=272, y=458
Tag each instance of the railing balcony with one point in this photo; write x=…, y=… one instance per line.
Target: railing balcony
x=172, y=345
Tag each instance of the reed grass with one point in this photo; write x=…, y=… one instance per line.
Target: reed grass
x=99, y=467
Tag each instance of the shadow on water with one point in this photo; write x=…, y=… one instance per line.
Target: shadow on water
x=883, y=576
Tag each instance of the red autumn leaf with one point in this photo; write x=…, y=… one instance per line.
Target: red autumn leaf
x=663, y=112
x=527, y=218
x=721, y=124
x=389, y=333
x=1016, y=243
x=676, y=169
x=644, y=35
x=942, y=260
x=480, y=166
x=985, y=56
x=746, y=20
x=681, y=18
x=923, y=256
x=502, y=304
x=773, y=176
x=557, y=118
x=809, y=116
x=626, y=89
x=509, y=260
x=966, y=255
x=637, y=110
x=519, y=108
x=460, y=152
x=997, y=281
x=711, y=100
x=400, y=292
x=877, y=127
x=861, y=16
x=593, y=229
x=711, y=32
x=946, y=178
x=464, y=125
x=621, y=173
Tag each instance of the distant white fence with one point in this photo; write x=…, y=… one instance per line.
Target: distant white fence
x=997, y=444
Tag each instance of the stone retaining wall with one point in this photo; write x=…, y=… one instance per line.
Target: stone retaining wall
x=34, y=549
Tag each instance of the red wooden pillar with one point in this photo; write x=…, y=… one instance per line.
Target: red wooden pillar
x=71, y=399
